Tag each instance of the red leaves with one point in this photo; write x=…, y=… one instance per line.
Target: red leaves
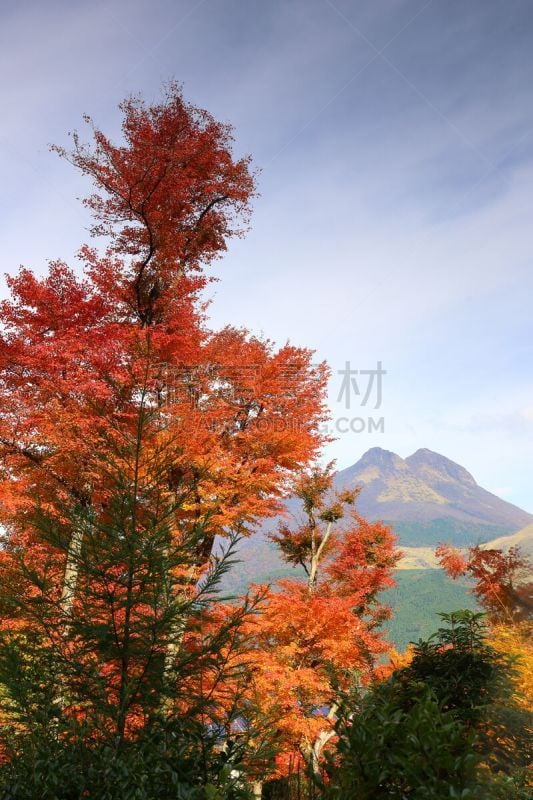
x=502, y=580
x=76, y=355
x=316, y=635
x=451, y=560
x=364, y=560
x=168, y=198
x=116, y=373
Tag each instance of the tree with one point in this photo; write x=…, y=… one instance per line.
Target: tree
x=89, y=682
x=131, y=435
x=420, y=733
x=80, y=356
x=502, y=584
x=502, y=581
x=319, y=636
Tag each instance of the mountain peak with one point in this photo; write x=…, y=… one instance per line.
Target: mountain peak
x=436, y=468
x=432, y=492
x=384, y=459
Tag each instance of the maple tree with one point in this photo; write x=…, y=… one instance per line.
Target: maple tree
x=319, y=636
x=74, y=350
x=132, y=435
x=79, y=355
x=501, y=579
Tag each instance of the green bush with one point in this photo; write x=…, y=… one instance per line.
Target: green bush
x=166, y=764
x=387, y=751
x=425, y=734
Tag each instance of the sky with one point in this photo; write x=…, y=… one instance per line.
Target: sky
x=394, y=225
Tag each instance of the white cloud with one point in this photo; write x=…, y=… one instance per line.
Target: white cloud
x=383, y=231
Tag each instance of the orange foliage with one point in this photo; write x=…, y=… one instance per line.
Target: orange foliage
x=78, y=356
x=516, y=641
x=87, y=362
x=452, y=560
x=318, y=637
x=502, y=580
x=395, y=661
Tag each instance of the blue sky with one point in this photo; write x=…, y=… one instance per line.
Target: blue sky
x=395, y=222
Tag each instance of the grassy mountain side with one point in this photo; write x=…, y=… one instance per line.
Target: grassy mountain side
x=522, y=539
x=416, y=600
x=451, y=531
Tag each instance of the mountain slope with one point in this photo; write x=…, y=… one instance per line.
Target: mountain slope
x=427, y=499
x=424, y=557
x=427, y=488
x=418, y=598
x=522, y=539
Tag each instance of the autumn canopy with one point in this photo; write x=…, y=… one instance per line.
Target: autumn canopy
x=137, y=447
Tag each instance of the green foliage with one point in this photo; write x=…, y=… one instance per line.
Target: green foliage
x=457, y=665
x=388, y=751
x=474, y=681
x=425, y=732
x=174, y=762
x=516, y=786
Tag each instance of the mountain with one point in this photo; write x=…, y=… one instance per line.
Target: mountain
x=426, y=498
x=522, y=539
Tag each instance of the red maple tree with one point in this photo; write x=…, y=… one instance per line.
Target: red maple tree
x=502, y=579
x=77, y=352
x=116, y=374
x=319, y=636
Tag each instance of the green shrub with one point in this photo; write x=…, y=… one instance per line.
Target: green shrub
x=387, y=751
x=426, y=733
x=166, y=764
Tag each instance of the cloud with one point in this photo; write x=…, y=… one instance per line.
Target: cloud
x=527, y=413
x=394, y=219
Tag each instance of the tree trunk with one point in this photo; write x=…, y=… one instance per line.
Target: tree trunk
x=71, y=572
x=72, y=568
x=257, y=789
x=174, y=646
x=321, y=741
x=315, y=560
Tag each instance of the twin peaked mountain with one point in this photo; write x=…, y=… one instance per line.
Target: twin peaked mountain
x=429, y=498
x=426, y=498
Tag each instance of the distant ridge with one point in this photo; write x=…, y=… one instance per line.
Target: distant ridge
x=522, y=539
x=426, y=487
x=426, y=498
